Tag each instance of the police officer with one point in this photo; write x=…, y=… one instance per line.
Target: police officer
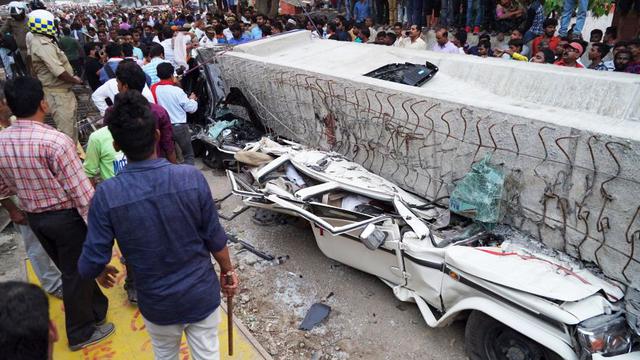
x=16, y=25
x=52, y=68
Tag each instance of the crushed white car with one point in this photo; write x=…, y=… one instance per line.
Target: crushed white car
x=521, y=299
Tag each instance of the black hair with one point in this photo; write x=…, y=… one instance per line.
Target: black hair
x=24, y=321
x=461, y=35
x=485, y=44
x=365, y=31
x=167, y=33
x=113, y=50
x=123, y=32
x=88, y=47
x=235, y=27
x=332, y=27
x=266, y=30
x=380, y=35
x=634, y=42
x=549, y=22
x=66, y=31
x=127, y=50
x=397, y=24
x=132, y=125
x=24, y=95
x=145, y=50
x=621, y=43
x=596, y=31
x=602, y=48
x=393, y=37
x=130, y=74
x=516, y=42
x=484, y=37
x=156, y=50
x=165, y=70
x=549, y=56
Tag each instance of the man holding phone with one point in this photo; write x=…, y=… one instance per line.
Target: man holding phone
x=412, y=39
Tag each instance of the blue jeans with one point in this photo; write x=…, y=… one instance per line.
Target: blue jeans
x=528, y=36
x=478, y=7
x=46, y=271
x=567, y=11
x=415, y=12
x=347, y=5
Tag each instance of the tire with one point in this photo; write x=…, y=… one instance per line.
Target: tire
x=488, y=339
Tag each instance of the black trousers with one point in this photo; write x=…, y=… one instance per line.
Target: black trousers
x=62, y=235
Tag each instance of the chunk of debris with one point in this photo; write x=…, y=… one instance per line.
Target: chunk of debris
x=315, y=315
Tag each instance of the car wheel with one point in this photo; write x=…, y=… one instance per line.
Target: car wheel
x=489, y=339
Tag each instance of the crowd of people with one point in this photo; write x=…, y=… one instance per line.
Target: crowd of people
x=131, y=59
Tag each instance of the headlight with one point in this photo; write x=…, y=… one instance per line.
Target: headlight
x=605, y=334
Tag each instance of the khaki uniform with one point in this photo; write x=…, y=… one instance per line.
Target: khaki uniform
x=19, y=31
x=48, y=62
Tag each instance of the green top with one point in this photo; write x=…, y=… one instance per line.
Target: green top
x=101, y=158
x=70, y=46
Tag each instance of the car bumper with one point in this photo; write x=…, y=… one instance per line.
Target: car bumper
x=630, y=356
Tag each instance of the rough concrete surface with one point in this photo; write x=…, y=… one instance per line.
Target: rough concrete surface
x=569, y=152
x=366, y=320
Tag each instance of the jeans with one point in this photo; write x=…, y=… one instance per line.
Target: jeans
x=182, y=137
x=478, y=7
x=347, y=5
x=415, y=12
x=528, y=36
x=202, y=338
x=62, y=235
x=45, y=269
x=567, y=11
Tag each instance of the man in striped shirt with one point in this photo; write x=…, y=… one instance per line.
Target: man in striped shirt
x=40, y=166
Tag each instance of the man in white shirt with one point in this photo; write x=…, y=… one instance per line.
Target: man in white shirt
x=443, y=44
x=173, y=99
x=414, y=41
x=109, y=89
x=209, y=39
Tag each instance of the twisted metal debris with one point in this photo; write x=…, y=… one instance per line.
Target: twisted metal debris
x=573, y=189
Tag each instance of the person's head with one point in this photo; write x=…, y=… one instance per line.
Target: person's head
x=157, y=51
x=414, y=32
x=25, y=98
x=391, y=38
x=619, y=45
x=596, y=36
x=113, y=35
x=610, y=35
x=126, y=36
x=541, y=57
x=364, y=34
x=165, y=71
x=515, y=45
x=332, y=28
x=621, y=60
x=484, y=37
x=167, y=33
x=114, y=50
x=236, y=31
x=368, y=22
x=129, y=76
x=598, y=51
x=559, y=50
x=340, y=21
x=230, y=21
x=26, y=332
x=92, y=49
x=259, y=19
x=147, y=29
x=66, y=31
x=634, y=49
x=397, y=29
x=516, y=34
x=127, y=50
x=91, y=31
x=442, y=36
x=102, y=36
x=460, y=38
x=572, y=52
x=484, y=48
x=549, y=27
x=133, y=126
x=381, y=38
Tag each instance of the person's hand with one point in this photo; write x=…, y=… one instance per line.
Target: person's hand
x=193, y=96
x=78, y=80
x=229, y=289
x=108, y=277
x=18, y=216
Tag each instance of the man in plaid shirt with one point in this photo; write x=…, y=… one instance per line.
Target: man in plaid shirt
x=40, y=165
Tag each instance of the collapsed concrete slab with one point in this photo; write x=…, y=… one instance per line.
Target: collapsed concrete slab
x=568, y=138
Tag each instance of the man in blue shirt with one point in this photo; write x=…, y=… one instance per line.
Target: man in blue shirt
x=238, y=36
x=361, y=10
x=167, y=227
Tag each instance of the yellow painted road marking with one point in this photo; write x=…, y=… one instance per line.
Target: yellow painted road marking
x=131, y=341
